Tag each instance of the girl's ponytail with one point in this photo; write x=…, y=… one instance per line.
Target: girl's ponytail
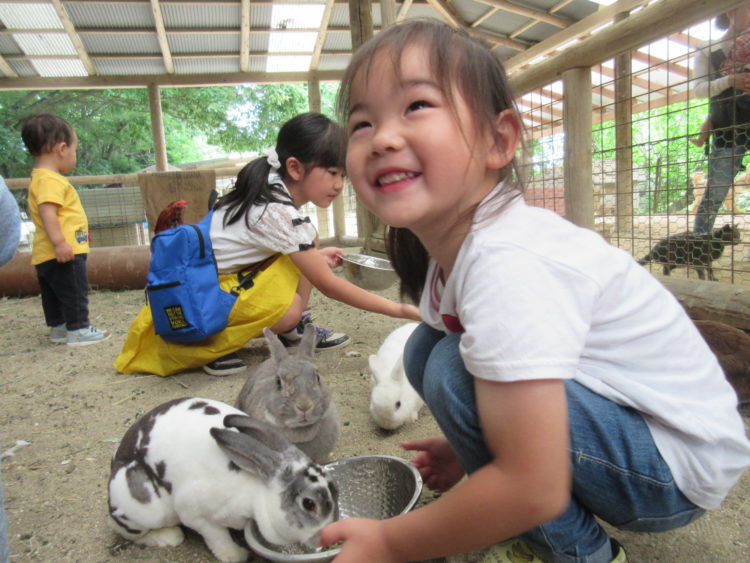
x=410, y=260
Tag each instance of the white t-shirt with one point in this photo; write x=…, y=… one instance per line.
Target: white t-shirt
x=273, y=228
x=540, y=298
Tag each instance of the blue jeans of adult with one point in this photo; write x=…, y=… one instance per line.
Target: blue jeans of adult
x=723, y=165
x=618, y=473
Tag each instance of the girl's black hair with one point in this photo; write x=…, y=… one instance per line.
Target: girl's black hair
x=40, y=133
x=312, y=138
x=459, y=63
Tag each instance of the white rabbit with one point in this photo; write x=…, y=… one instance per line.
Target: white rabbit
x=286, y=392
x=209, y=466
x=393, y=400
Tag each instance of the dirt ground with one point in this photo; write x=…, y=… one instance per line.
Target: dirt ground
x=72, y=407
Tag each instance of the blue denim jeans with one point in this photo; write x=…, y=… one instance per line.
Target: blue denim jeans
x=723, y=165
x=618, y=473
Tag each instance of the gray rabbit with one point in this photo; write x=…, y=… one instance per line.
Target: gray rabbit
x=286, y=392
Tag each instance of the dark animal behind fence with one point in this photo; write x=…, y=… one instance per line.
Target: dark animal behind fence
x=697, y=251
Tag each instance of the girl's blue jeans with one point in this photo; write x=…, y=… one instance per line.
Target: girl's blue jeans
x=618, y=474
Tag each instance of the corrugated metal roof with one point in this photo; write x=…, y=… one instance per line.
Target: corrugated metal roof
x=205, y=40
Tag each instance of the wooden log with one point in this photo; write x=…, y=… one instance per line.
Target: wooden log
x=712, y=301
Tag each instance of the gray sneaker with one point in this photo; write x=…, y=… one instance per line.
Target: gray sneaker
x=86, y=336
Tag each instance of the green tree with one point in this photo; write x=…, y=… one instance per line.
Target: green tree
x=114, y=126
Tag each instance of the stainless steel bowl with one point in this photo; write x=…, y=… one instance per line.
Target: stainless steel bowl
x=373, y=486
x=369, y=272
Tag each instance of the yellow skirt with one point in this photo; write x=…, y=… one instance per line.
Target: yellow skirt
x=259, y=306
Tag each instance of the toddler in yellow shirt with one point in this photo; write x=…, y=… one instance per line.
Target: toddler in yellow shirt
x=61, y=240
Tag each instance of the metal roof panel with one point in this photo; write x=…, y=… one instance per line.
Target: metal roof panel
x=128, y=67
x=201, y=14
x=8, y=46
x=110, y=14
x=204, y=42
x=29, y=16
x=124, y=43
x=206, y=65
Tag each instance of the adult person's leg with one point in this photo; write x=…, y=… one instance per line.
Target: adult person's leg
x=723, y=165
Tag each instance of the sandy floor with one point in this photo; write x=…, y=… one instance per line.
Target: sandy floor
x=73, y=408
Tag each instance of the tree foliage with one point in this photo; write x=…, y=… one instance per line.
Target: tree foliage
x=114, y=126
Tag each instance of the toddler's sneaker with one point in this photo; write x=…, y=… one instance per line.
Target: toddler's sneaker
x=226, y=365
x=58, y=334
x=86, y=336
x=326, y=339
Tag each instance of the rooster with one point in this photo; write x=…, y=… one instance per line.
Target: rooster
x=171, y=216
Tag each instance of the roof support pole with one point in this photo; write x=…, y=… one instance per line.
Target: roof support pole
x=369, y=227
x=579, y=207
x=157, y=127
x=387, y=13
x=313, y=104
x=624, y=140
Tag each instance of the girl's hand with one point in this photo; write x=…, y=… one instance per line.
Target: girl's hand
x=332, y=255
x=364, y=540
x=436, y=462
x=410, y=312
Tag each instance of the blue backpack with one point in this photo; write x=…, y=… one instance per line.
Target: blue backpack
x=182, y=285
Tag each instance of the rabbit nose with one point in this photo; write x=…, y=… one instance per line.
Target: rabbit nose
x=305, y=408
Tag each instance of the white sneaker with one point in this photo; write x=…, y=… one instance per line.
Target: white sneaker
x=86, y=336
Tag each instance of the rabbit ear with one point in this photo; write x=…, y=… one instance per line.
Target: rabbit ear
x=265, y=433
x=307, y=345
x=397, y=373
x=374, y=367
x=248, y=453
x=277, y=349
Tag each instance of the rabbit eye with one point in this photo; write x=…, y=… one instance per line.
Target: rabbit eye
x=308, y=504
x=398, y=404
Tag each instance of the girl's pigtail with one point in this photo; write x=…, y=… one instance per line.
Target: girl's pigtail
x=410, y=260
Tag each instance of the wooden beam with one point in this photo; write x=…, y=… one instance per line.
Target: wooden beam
x=322, y=34
x=6, y=69
x=582, y=27
x=533, y=13
x=624, y=141
x=452, y=17
x=157, y=128
x=650, y=23
x=73, y=36
x=245, y=36
x=404, y=10
x=579, y=204
x=161, y=36
x=448, y=13
x=166, y=80
x=387, y=13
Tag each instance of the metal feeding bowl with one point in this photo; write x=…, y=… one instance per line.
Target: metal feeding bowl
x=369, y=272
x=373, y=486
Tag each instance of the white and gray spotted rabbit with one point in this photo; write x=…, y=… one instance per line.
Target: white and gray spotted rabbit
x=393, y=400
x=207, y=465
x=286, y=392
